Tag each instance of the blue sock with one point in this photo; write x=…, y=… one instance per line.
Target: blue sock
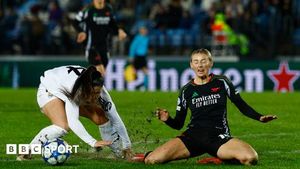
x=146, y=81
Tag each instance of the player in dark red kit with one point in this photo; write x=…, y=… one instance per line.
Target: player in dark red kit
x=94, y=24
x=208, y=131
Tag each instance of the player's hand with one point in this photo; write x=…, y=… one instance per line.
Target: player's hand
x=162, y=114
x=81, y=37
x=127, y=154
x=121, y=34
x=102, y=143
x=267, y=118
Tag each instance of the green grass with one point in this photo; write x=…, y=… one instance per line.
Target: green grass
x=277, y=143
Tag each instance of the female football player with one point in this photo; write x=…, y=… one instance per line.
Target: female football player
x=67, y=92
x=94, y=25
x=208, y=131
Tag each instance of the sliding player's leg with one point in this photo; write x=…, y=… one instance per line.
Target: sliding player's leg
x=171, y=150
x=236, y=149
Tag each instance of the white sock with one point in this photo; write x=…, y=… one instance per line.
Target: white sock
x=48, y=133
x=108, y=133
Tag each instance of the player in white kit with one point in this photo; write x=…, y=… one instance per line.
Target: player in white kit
x=67, y=92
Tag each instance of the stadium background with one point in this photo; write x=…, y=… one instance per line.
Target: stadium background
x=263, y=32
x=260, y=53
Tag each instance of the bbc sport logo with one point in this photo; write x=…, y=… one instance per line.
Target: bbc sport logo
x=37, y=148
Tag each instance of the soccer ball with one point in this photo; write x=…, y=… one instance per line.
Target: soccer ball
x=55, y=152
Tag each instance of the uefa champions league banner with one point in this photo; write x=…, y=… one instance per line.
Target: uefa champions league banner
x=165, y=75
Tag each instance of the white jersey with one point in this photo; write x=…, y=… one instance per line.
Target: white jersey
x=63, y=78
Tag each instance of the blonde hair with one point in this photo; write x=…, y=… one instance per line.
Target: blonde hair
x=203, y=52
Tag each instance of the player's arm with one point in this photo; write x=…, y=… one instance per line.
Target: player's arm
x=115, y=29
x=181, y=111
x=72, y=112
x=115, y=119
x=113, y=25
x=80, y=25
x=244, y=108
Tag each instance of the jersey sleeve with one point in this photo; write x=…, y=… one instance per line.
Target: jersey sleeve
x=79, y=23
x=113, y=23
x=181, y=111
x=72, y=112
x=238, y=101
x=115, y=119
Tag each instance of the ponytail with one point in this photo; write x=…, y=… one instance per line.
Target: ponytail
x=83, y=86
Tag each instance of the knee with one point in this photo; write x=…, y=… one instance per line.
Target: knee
x=64, y=126
x=151, y=159
x=249, y=159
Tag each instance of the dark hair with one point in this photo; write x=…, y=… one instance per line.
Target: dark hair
x=83, y=87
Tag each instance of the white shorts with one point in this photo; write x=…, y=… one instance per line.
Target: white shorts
x=43, y=96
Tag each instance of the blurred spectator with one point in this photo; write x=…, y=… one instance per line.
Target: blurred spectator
x=187, y=5
x=286, y=19
x=158, y=15
x=55, y=28
x=186, y=21
x=296, y=12
x=73, y=5
x=7, y=30
x=250, y=26
x=272, y=26
x=174, y=14
x=209, y=19
x=55, y=13
x=206, y=5
x=42, y=26
x=33, y=32
x=234, y=11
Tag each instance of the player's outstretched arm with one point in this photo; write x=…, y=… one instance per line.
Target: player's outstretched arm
x=267, y=118
x=162, y=114
x=102, y=143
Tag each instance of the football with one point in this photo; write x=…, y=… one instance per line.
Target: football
x=55, y=152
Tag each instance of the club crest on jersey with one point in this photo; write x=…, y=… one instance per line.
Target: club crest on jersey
x=215, y=89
